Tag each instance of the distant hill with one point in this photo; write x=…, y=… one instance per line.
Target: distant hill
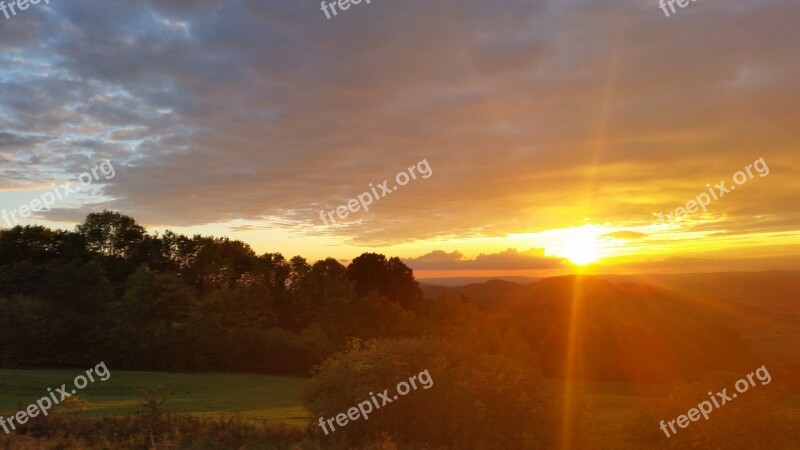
x=463, y=281
x=757, y=303
x=775, y=288
x=486, y=295
x=647, y=327
x=764, y=303
x=623, y=331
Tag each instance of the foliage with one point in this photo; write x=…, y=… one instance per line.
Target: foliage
x=476, y=391
x=172, y=302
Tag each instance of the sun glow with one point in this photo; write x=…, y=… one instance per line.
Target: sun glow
x=579, y=245
x=581, y=251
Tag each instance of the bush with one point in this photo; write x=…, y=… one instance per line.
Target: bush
x=481, y=397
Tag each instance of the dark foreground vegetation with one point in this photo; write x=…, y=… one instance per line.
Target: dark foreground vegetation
x=110, y=291
x=507, y=373
x=760, y=424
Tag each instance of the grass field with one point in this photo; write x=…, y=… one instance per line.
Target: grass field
x=273, y=399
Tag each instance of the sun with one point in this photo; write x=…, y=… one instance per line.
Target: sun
x=579, y=245
x=581, y=251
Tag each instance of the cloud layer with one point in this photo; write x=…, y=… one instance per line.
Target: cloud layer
x=533, y=114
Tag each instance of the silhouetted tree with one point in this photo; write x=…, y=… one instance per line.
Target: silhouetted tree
x=390, y=278
x=111, y=234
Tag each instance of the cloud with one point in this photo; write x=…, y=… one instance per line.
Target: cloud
x=533, y=115
x=625, y=234
x=510, y=259
x=11, y=141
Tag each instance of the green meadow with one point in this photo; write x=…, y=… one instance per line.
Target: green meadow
x=258, y=398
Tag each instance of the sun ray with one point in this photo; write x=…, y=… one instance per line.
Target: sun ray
x=570, y=370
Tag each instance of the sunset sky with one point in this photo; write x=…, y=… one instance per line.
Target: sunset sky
x=555, y=130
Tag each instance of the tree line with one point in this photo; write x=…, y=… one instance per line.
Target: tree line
x=109, y=290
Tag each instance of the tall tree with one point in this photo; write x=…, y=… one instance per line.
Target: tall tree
x=111, y=233
x=390, y=278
